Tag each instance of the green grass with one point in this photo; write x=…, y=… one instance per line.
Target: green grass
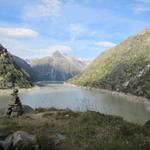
x=83, y=131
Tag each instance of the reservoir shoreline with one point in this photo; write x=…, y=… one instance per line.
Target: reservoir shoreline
x=128, y=96
x=63, y=96
x=9, y=91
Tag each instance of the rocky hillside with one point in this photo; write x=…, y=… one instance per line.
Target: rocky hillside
x=25, y=67
x=58, y=67
x=10, y=72
x=125, y=67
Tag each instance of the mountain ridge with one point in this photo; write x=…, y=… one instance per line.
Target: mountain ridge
x=58, y=67
x=11, y=74
x=124, y=67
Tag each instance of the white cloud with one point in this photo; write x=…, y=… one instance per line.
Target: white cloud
x=76, y=30
x=45, y=8
x=40, y=53
x=16, y=47
x=141, y=8
x=44, y=52
x=105, y=44
x=61, y=48
x=23, y=50
x=144, y=1
x=17, y=32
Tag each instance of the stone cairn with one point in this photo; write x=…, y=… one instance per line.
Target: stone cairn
x=15, y=107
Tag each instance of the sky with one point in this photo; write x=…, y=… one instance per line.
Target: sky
x=81, y=28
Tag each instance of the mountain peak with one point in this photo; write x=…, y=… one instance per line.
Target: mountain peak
x=58, y=67
x=1, y=47
x=57, y=54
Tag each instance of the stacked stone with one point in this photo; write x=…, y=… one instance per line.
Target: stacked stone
x=15, y=107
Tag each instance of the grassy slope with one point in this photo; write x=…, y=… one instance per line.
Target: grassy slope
x=119, y=65
x=25, y=67
x=83, y=131
x=9, y=71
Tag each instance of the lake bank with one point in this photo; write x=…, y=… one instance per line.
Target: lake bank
x=129, y=97
x=65, y=129
x=9, y=91
x=62, y=96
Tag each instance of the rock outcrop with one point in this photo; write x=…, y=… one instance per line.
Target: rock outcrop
x=25, y=67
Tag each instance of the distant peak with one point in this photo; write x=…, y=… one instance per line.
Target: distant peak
x=145, y=31
x=57, y=54
x=2, y=49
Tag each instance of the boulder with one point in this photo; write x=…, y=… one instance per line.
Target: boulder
x=21, y=136
x=21, y=140
x=27, y=109
x=16, y=112
x=57, y=139
x=147, y=124
x=7, y=144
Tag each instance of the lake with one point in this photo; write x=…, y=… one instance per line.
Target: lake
x=79, y=99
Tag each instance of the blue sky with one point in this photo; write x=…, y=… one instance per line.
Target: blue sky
x=81, y=28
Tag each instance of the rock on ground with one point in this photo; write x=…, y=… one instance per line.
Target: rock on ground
x=19, y=140
x=27, y=109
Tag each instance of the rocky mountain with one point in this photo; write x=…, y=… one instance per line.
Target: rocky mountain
x=125, y=67
x=24, y=66
x=11, y=73
x=58, y=67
